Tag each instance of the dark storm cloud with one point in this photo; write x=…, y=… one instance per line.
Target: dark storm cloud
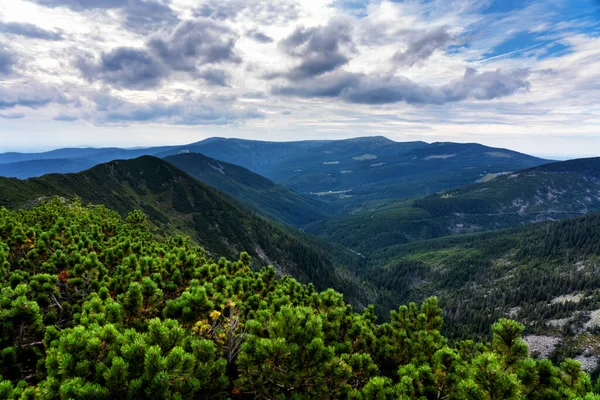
x=7, y=60
x=321, y=49
x=200, y=41
x=422, y=44
x=217, y=77
x=28, y=30
x=374, y=89
x=29, y=94
x=202, y=111
x=259, y=36
x=125, y=67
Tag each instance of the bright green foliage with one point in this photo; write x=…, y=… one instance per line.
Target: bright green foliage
x=94, y=307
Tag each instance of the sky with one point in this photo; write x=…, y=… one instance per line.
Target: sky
x=519, y=74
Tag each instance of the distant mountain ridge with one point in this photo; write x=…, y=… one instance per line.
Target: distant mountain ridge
x=98, y=155
x=30, y=168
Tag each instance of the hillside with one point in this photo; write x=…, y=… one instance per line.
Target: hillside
x=549, y=192
x=552, y=191
x=175, y=202
x=543, y=275
x=94, y=307
x=410, y=170
x=259, y=193
x=256, y=155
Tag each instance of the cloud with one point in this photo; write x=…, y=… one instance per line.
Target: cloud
x=422, y=44
x=488, y=85
x=213, y=76
x=327, y=85
x=29, y=94
x=259, y=11
x=195, y=111
x=321, y=49
x=12, y=115
x=191, y=45
x=219, y=10
x=65, y=118
x=146, y=16
x=259, y=36
x=7, y=60
x=199, y=41
x=80, y=5
x=28, y=30
x=142, y=16
x=386, y=89
x=126, y=67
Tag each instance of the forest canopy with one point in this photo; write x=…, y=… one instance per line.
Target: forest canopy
x=93, y=306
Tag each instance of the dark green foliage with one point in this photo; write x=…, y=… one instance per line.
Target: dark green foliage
x=482, y=277
x=440, y=207
x=94, y=307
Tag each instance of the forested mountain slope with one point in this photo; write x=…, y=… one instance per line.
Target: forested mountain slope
x=256, y=155
x=93, y=307
x=352, y=171
x=175, y=202
x=551, y=191
x=545, y=275
x=548, y=192
x=255, y=191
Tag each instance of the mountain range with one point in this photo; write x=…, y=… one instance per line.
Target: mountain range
x=345, y=173
x=383, y=222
